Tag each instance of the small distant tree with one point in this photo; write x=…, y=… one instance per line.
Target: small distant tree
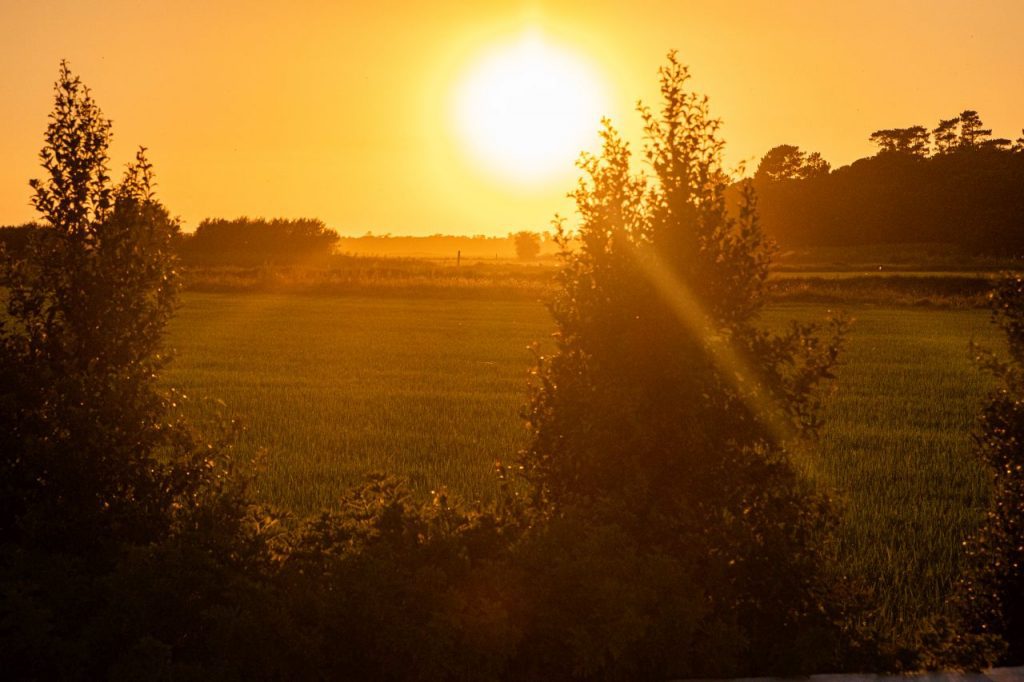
x=667, y=412
x=780, y=163
x=972, y=134
x=814, y=166
x=789, y=162
x=946, y=135
x=527, y=245
x=913, y=141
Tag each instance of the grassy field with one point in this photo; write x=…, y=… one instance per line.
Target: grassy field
x=896, y=449
x=336, y=387
x=331, y=388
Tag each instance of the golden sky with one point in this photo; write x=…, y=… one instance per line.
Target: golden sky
x=356, y=112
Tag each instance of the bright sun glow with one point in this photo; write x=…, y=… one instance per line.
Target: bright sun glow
x=526, y=109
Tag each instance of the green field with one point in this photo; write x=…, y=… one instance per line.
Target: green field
x=331, y=388
x=335, y=387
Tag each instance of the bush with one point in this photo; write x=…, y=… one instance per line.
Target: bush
x=102, y=490
x=527, y=245
x=390, y=589
x=991, y=595
x=668, y=414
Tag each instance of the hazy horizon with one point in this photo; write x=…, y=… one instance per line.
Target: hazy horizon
x=349, y=113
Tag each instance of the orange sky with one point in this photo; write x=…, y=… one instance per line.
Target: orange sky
x=341, y=110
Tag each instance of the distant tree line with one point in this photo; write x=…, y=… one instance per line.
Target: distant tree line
x=954, y=184
x=255, y=241
x=15, y=239
x=476, y=247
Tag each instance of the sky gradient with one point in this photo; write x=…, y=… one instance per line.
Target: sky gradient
x=343, y=110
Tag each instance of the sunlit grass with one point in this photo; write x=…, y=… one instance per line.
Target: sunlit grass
x=897, y=448
x=335, y=387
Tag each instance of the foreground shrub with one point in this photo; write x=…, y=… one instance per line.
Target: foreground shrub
x=667, y=413
x=992, y=591
x=388, y=588
x=121, y=531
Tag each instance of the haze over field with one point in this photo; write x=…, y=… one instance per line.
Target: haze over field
x=362, y=113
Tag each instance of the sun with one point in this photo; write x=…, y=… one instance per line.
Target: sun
x=525, y=109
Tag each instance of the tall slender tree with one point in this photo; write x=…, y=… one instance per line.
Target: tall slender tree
x=84, y=432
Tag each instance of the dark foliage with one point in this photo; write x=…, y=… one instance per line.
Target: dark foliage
x=16, y=239
x=527, y=245
x=969, y=192
x=387, y=588
x=788, y=162
x=247, y=241
x=992, y=592
x=119, y=528
x=668, y=415
x=82, y=429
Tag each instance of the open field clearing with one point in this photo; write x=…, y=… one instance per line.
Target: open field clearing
x=410, y=278
x=335, y=387
x=896, y=447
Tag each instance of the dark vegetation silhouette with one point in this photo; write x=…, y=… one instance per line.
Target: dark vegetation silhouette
x=117, y=525
x=789, y=162
x=527, y=245
x=954, y=184
x=664, y=530
x=992, y=592
x=15, y=240
x=669, y=416
x=246, y=241
x=477, y=247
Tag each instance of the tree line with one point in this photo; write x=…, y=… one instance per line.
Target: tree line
x=954, y=184
x=258, y=241
x=251, y=242
x=656, y=526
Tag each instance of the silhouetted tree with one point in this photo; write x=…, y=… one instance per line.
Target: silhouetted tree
x=913, y=141
x=667, y=412
x=970, y=195
x=815, y=166
x=87, y=311
x=788, y=162
x=972, y=135
x=946, y=135
x=103, y=493
x=15, y=240
x=527, y=245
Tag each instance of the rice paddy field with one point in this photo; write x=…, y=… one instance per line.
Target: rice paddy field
x=330, y=388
